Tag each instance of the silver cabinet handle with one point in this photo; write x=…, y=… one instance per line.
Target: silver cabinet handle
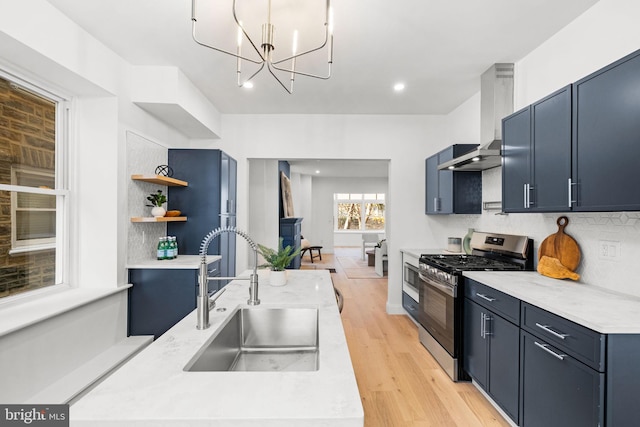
x=546, y=328
x=484, y=331
x=486, y=298
x=546, y=348
x=570, y=193
x=487, y=330
x=527, y=196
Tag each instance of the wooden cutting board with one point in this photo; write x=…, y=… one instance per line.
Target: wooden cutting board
x=561, y=246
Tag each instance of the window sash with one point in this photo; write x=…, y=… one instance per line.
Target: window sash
x=60, y=179
x=362, y=201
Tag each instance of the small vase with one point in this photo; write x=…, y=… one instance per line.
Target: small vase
x=466, y=242
x=278, y=278
x=158, y=211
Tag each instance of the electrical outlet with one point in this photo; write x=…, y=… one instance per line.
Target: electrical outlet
x=608, y=250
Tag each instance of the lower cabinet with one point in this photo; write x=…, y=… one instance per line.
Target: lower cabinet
x=491, y=355
x=557, y=389
x=546, y=370
x=160, y=298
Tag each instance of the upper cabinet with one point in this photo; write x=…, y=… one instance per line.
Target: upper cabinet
x=606, y=138
x=576, y=149
x=536, y=148
x=452, y=192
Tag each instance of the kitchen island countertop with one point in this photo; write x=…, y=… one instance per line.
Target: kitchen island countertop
x=153, y=389
x=596, y=308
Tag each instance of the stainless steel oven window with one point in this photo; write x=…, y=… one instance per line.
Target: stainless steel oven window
x=437, y=312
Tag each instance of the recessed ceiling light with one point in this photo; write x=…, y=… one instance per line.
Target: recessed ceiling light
x=398, y=87
x=317, y=171
x=248, y=85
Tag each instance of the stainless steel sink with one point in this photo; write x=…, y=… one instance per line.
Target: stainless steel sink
x=262, y=339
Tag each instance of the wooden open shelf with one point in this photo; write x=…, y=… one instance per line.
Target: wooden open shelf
x=159, y=219
x=161, y=180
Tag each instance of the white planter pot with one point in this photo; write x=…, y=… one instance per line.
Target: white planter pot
x=278, y=278
x=158, y=211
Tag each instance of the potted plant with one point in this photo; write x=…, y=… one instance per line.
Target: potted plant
x=157, y=199
x=277, y=261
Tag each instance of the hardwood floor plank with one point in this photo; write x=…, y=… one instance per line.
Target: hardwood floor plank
x=400, y=383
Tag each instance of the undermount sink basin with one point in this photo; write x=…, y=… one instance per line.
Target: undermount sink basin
x=262, y=339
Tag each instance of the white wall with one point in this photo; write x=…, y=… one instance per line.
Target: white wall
x=603, y=34
x=404, y=140
x=323, y=221
x=51, y=51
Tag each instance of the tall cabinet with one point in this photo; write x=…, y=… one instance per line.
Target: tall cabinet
x=209, y=202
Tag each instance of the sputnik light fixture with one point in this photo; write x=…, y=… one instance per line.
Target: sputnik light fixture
x=267, y=47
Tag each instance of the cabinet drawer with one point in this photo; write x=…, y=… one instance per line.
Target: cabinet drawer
x=498, y=302
x=582, y=343
x=410, y=305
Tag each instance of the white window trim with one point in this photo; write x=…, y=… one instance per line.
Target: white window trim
x=63, y=199
x=362, y=202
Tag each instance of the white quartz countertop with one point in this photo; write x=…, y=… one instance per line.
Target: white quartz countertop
x=152, y=389
x=596, y=308
x=183, y=262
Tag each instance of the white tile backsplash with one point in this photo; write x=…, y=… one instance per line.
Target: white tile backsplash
x=588, y=229
x=143, y=156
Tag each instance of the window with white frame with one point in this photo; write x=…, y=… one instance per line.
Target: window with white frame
x=33, y=193
x=359, y=211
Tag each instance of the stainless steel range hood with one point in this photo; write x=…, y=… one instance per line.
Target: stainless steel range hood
x=496, y=102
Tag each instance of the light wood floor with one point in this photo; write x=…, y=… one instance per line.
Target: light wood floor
x=400, y=383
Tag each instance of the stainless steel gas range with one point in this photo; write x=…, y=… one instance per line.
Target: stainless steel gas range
x=440, y=293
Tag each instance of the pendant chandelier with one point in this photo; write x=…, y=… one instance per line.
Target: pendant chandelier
x=283, y=66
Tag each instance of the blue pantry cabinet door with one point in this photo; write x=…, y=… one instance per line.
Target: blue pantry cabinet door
x=208, y=202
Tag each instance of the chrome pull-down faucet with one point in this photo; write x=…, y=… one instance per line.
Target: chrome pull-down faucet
x=206, y=303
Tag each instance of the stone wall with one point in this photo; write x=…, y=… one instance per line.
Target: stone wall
x=27, y=138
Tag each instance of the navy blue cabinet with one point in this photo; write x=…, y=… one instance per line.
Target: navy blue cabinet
x=576, y=149
x=536, y=149
x=209, y=202
x=160, y=298
x=452, y=192
x=558, y=390
x=606, y=138
x=491, y=346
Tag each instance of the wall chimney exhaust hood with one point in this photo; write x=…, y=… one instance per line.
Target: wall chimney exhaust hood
x=496, y=102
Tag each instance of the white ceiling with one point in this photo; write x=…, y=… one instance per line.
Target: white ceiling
x=341, y=168
x=438, y=48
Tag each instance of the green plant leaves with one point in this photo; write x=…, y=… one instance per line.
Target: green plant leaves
x=157, y=198
x=280, y=259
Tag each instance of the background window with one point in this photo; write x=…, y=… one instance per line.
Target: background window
x=359, y=212
x=32, y=193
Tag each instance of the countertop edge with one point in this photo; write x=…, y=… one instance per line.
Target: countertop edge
x=599, y=309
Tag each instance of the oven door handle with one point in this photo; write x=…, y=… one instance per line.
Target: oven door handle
x=449, y=290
